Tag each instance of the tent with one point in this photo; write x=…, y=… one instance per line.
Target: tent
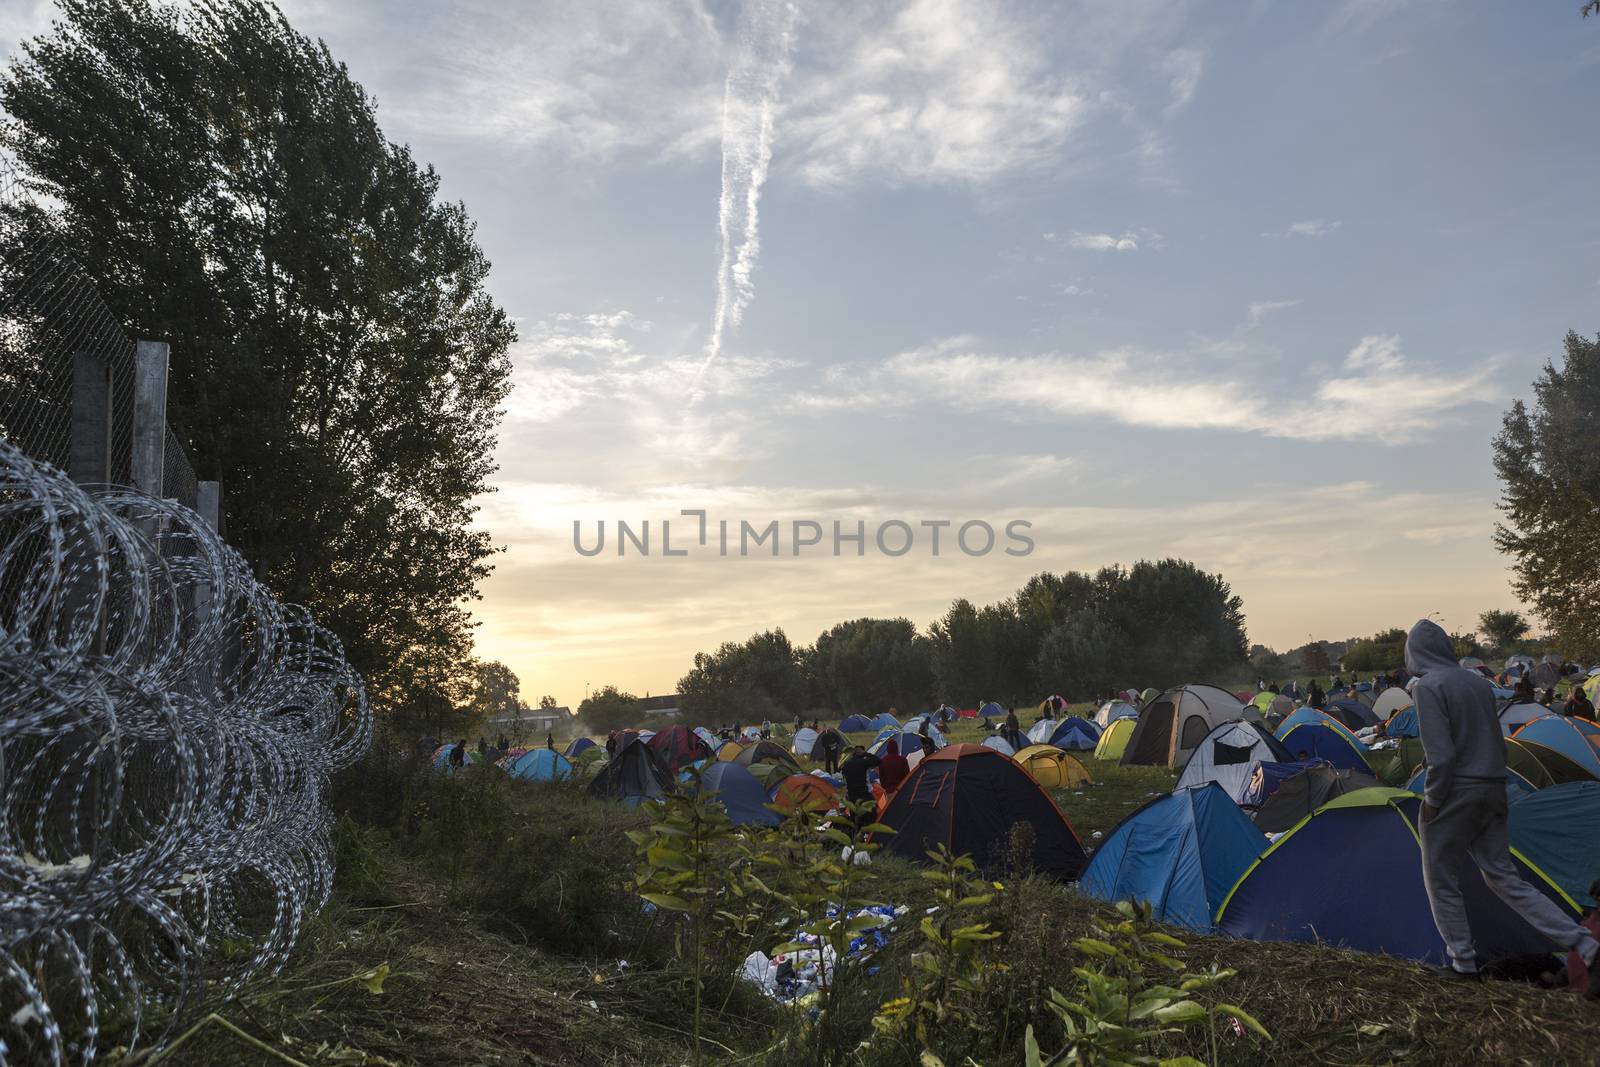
x=1265, y=777
x=539, y=765
x=1519, y=660
x=767, y=752
x=1051, y=767
x=1545, y=675
x=1299, y=796
x=743, y=796
x=886, y=733
x=1269, y=703
x=677, y=747
x=914, y=726
x=999, y=744
x=711, y=739
x=804, y=739
x=1041, y=732
x=577, y=745
x=1514, y=717
x=1318, y=883
x=883, y=720
x=908, y=742
x=967, y=798
x=1390, y=701
x=1362, y=694
x=856, y=724
x=1226, y=756
x=991, y=710
x=1181, y=853
x=1052, y=706
x=1112, y=710
x=1075, y=734
x=1516, y=785
x=1403, y=723
x=1558, y=830
x=1173, y=724
x=632, y=774
x=441, y=759
x=808, y=791
x=1542, y=765
x=729, y=751
x=1395, y=764
x=1115, y=739
x=1352, y=713
x=1305, y=715
x=1567, y=737
x=1315, y=740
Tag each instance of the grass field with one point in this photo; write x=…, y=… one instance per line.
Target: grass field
x=500, y=911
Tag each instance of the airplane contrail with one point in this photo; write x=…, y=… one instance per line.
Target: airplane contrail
x=749, y=106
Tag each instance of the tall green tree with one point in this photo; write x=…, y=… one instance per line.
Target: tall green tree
x=1502, y=629
x=336, y=359
x=609, y=709
x=1548, y=460
x=755, y=679
x=874, y=664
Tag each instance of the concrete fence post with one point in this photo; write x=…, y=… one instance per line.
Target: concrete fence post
x=149, y=416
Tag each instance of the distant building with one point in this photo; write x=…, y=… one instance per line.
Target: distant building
x=666, y=704
x=530, y=722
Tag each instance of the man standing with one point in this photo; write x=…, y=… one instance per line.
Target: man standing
x=1464, y=806
x=831, y=743
x=855, y=770
x=893, y=767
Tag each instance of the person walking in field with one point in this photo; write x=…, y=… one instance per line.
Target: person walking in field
x=1464, y=806
x=831, y=744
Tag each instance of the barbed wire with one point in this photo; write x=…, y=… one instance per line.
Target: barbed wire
x=168, y=730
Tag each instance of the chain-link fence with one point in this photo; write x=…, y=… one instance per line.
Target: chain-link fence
x=168, y=729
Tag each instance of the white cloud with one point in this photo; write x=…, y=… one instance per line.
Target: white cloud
x=1382, y=396
x=944, y=90
x=1106, y=242
x=1183, y=67
x=1308, y=228
x=1076, y=290
x=1260, y=309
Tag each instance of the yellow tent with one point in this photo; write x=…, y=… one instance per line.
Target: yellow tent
x=1115, y=739
x=729, y=751
x=1051, y=767
x=1592, y=687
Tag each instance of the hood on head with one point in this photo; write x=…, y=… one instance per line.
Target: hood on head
x=891, y=747
x=1428, y=648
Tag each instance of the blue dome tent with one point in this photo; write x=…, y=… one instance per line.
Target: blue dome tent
x=540, y=765
x=1181, y=853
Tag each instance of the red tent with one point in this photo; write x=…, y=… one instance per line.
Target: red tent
x=677, y=747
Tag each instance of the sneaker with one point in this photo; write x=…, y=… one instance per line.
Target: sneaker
x=1448, y=972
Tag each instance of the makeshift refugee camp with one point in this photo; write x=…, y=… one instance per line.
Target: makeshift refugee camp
x=1350, y=875
x=1227, y=755
x=967, y=798
x=1051, y=767
x=1172, y=725
x=1180, y=853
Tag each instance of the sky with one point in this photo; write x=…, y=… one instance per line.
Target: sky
x=1245, y=283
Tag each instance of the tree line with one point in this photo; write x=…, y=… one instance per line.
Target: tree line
x=1077, y=634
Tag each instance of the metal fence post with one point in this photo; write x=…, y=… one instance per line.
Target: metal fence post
x=89, y=451
x=149, y=415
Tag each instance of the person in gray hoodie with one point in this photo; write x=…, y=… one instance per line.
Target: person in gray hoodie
x=1464, y=805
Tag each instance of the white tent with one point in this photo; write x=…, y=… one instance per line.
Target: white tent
x=804, y=739
x=1042, y=731
x=1114, y=709
x=1390, y=701
x=1172, y=725
x=1226, y=756
x=1515, y=716
x=999, y=744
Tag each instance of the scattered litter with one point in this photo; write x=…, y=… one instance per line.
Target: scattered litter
x=789, y=977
